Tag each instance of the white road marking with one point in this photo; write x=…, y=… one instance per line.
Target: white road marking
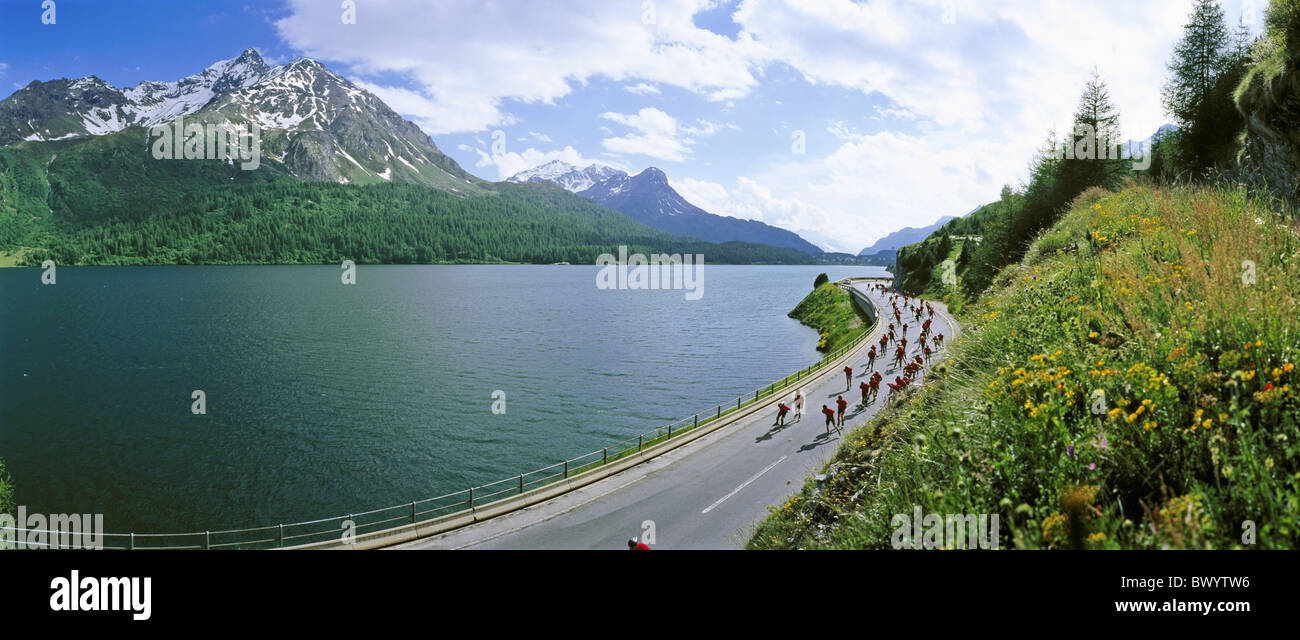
x=742, y=485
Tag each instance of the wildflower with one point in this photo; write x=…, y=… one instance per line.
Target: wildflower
x=1092, y=466
x=1070, y=451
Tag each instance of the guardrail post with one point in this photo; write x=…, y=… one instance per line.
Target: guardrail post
x=756, y=394
x=719, y=411
x=412, y=512
x=670, y=431
x=471, y=497
x=604, y=457
x=697, y=421
x=282, y=535
x=133, y=541
x=638, y=443
x=566, y=469
x=738, y=403
x=207, y=540
x=521, y=483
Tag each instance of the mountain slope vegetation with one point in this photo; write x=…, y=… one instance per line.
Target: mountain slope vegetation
x=1128, y=374
x=1131, y=383
x=101, y=200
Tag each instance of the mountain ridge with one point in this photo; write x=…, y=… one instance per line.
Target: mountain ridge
x=313, y=121
x=648, y=197
x=905, y=236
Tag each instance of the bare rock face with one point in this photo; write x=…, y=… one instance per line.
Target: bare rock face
x=1270, y=155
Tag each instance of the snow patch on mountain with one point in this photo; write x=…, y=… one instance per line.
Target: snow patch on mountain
x=567, y=176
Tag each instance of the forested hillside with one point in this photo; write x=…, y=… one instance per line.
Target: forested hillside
x=103, y=200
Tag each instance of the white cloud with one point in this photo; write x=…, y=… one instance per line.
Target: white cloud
x=469, y=59
x=995, y=68
x=655, y=135
x=705, y=128
x=462, y=112
x=865, y=188
x=641, y=89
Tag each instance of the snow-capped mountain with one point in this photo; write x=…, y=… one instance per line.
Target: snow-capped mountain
x=649, y=199
x=569, y=177
x=318, y=124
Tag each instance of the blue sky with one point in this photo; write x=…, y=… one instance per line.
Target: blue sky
x=840, y=120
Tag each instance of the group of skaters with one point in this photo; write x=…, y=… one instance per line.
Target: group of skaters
x=834, y=417
x=896, y=335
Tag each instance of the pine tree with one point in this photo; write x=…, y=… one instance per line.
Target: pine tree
x=1198, y=60
x=1239, y=48
x=1096, y=140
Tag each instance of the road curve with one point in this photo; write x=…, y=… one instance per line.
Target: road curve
x=708, y=494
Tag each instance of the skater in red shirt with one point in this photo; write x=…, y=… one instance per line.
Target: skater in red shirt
x=830, y=419
x=865, y=387
x=848, y=377
x=781, y=409
x=841, y=404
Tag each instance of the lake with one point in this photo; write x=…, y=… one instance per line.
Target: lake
x=325, y=399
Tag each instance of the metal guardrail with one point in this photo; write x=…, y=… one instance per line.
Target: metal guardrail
x=357, y=524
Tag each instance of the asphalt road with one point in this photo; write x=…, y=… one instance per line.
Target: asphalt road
x=708, y=494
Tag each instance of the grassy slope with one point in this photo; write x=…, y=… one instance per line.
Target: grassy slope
x=830, y=311
x=1197, y=430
